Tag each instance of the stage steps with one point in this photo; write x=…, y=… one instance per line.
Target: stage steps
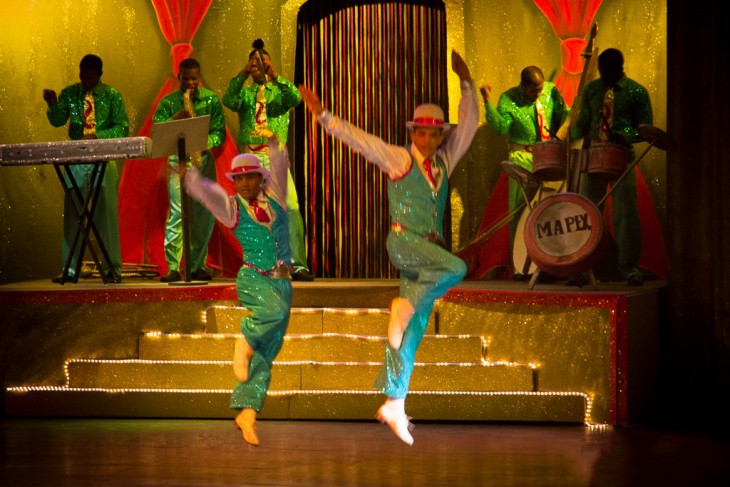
x=326, y=370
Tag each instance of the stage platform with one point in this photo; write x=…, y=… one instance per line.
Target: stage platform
x=494, y=351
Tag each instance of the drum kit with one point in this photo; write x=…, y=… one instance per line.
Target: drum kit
x=561, y=230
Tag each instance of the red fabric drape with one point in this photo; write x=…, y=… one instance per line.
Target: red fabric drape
x=143, y=200
x=571, y=20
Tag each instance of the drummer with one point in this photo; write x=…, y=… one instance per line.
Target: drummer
x=529, y=113
x=612, y=109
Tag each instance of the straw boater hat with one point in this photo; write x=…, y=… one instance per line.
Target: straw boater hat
x=428, y=115
x=245, y=163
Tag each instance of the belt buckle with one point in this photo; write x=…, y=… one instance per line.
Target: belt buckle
x=279, y=272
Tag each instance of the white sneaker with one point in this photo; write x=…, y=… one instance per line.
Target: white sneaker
x=397, y=420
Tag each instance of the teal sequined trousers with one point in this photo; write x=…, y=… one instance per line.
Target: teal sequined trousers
x=269, y=301
x=426, y=269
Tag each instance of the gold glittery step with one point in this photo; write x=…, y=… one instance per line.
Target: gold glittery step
x=319, y=347
x=358, y=321
x=206, y=375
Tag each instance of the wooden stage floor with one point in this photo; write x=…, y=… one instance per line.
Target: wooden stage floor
x=124, y=452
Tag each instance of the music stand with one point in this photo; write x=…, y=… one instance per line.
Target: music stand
x=180, y=137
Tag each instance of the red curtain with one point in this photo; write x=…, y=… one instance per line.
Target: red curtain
x=143, y=200
x=571, y=20
x=490, y=252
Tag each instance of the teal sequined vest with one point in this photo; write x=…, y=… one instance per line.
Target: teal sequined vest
x=263, y=248
x=415, y=205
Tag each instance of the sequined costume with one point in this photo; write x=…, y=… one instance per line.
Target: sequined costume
x=265, y=247
x=280, y=96
x=632, y=107
x=517, y=116
x=417, y=206
x=205, y=102
x=111, y=122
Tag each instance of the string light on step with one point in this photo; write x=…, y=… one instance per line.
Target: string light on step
x=308, y=336
x=327, y=392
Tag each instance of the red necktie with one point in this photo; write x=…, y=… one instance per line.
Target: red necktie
x=260, y=213
x=427, y=167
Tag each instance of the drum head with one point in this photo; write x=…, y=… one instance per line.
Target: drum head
x=562, y=234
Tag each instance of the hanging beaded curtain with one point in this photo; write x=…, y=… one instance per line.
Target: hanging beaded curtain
x=371, y=63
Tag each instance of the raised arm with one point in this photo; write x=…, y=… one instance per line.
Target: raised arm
x=276, y=184
x=57, y=111
x=392, y=160
x=459, y=141
x=212, y=196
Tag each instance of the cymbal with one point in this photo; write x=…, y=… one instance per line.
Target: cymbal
x=517, y=172
x=656, y=136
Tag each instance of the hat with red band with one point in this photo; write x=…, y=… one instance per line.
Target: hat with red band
x=246, y=163
x=428, y=115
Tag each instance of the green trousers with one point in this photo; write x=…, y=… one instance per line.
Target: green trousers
x=626, y=222
x=201, y=220
x=106, y=217
x=269, y=301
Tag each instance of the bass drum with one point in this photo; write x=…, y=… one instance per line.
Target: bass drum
x=562, y=234
x=519, y=250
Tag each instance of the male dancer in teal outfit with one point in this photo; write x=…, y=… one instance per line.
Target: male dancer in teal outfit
x=172, y=107
x=528, y=113
x=417, y=194
x=94, y=110
x=265, y=105
x=612, y=108
x=257, y=217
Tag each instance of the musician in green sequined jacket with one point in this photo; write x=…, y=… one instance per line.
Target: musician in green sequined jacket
x=172, y=107
x=631, y=108
x=518, y=114
x=269, y=111
x=93, y=110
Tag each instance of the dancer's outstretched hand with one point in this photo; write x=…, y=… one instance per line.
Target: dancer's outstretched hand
x=311, y=100
x=460, y=67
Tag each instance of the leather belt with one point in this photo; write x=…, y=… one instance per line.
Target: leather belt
x=279, y=272
x=432, y=237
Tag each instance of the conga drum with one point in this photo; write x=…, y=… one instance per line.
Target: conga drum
x=607, y=160
x=562, y=234
x=549, y=160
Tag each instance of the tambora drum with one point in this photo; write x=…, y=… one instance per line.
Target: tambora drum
x=549, y=160
x=562, y=234
x=607, y=160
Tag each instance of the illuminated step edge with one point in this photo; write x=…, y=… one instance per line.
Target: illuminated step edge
x=298, y=375
x=364, y=321
x=511, y=406
x=322, y=347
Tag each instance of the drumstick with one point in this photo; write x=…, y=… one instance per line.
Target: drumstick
x=491, y=230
